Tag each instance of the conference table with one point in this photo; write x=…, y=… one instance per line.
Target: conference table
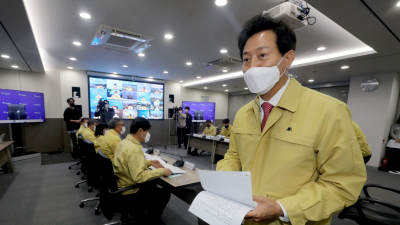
x=212, y=145
x=185, y=187
x=6, y=161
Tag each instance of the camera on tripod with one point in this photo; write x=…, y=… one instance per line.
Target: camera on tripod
x=101, y=104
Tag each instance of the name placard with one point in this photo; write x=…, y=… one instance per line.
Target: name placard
x=189, y=165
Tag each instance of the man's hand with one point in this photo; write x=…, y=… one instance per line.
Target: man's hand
x=156, y=164
x=266, y=209
x=167, y=172
x=397, y=140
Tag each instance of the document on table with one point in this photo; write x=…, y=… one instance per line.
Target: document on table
x=227, y=197
x=174, y=169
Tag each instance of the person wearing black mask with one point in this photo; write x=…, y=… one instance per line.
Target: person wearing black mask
x=72, y=116
x=188, y=125
x=105, y=113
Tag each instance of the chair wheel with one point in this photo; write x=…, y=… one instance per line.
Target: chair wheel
x=69, y=167
x=96, y=212
x=81, y=205
x=78, y=173
x=77, y=186
x=90, y=190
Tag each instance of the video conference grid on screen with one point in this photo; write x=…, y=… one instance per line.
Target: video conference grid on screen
x=31, y=106
x=128, y=99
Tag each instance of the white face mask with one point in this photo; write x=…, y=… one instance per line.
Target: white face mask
x=94, y=128
x=123, y=130
x=186, y=110
x=147, y=138
x=85, y=125
x=260, y=80
x=106, y=132
x=180, y=111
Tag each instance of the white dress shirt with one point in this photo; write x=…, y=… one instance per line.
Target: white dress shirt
x=274, y=101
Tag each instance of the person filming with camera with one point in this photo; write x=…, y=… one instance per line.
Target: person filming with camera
x=180, y=118
x=104, y=111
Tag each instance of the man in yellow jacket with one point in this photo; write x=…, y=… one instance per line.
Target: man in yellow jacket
x=210, y=130
x=298, y=144
x=362, y=141
x=130, y=166
x=112, y=138
x=82, y=127
x=226, y=129
x=88, y=133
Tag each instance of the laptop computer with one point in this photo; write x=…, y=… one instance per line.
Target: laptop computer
x=2, y=137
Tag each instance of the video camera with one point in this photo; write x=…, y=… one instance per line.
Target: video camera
x=101, y=104
x=176, y=109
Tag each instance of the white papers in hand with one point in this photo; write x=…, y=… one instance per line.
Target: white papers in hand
x=217, y=210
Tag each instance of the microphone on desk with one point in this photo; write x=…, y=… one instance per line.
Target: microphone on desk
x=177, y=163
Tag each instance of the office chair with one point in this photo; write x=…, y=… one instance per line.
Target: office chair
x=92, y=176
x=373, y=211
x=83, y=160
x=110, y=196
x=76, y=154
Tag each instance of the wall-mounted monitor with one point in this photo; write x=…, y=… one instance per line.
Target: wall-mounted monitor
x=129, y=99
x=201, y=111
x=21, y=107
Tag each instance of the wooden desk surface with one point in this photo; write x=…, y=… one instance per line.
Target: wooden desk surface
x=5, y=144
x=190, y=177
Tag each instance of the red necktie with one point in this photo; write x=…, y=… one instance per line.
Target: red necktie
x=267, y=110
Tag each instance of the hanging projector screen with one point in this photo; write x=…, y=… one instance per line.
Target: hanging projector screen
x=129, y=99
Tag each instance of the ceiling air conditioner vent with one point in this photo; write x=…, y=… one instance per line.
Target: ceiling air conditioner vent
x=227, y=63
x=115, y=39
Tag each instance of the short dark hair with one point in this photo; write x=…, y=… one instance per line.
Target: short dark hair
x=138, y=123
x=70, y=99
x=99, y=129
x=208, y=121
x=187, y=107
x=225, y=120
x=91, y=122
x=285, y=36
x=83, y=119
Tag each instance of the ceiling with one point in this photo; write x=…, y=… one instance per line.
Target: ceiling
x=201, y=29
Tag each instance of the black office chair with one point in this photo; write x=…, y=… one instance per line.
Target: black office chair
x=110, y=196
x=83, y=160
x=373, y=211
x=76, y=154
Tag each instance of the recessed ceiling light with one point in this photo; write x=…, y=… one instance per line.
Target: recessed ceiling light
x=398, y=4
x=76, y=43
x=165, y=71
x=246, y=88
x=70, y=67
x=321, y=48
x=205, y=87
x=223, y=51
x=151, y=77
x=85, y=15
x=224, y=71
x=221, y=2
x=141, y=54
x=14, y=66
x=168, y=36
x=226, y=90
x=188, y=63
x=344, y=67
x=181, y=81
x=224, y=85
x=73, y=59
x=5, y=56
x=124, y=66
x=114, y=72
x=198, y=77
x=310, y=81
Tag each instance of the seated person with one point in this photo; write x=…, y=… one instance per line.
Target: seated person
x=130, y=107
x=100, y=86
x=88, y=133
x=130, y=116
x=210, y=129
x=100, y=136
x=226, y=129
x=128, y=88
x=115, y=86
x=362, y=141
x=130, y=166
x=82, y=127
x=98, y=96
x=115, y=95
x=112, y=138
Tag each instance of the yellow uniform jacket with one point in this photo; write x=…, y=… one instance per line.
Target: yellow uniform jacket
x=226, y=131
x=362, y=141
x=210, y=131
x=100, y=141
x=115, y=97
x=81, y=129
x=130, y=165
x=112, y=139
x=307, y=156
x=88, y=134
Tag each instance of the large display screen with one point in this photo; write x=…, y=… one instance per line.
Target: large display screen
x=128, y=99
x=21, y=106
x=201, y=111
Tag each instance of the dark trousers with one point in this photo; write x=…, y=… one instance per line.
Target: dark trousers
x=181, y=135
x=186, y=138
x=147, y=204
x=366, y=159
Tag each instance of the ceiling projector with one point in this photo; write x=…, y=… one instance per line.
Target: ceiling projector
x=291, y=13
